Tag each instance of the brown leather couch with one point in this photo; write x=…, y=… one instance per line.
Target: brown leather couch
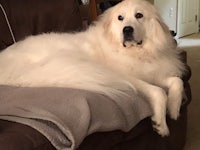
x=28, y=17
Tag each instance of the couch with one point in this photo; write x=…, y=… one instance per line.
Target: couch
x=35, y=17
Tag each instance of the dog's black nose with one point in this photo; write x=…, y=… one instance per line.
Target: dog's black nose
x=128, y=30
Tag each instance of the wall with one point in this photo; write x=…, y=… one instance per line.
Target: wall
x=168, y=11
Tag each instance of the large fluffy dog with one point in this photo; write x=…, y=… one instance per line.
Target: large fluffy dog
x=128, y=48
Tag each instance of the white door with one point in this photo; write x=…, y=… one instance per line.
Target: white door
x=187, y=17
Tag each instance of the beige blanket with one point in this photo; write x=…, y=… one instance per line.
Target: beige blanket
x=66, y=116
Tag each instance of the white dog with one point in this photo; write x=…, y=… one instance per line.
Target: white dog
x=128, y=48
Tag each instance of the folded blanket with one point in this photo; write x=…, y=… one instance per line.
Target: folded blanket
x=66, y=116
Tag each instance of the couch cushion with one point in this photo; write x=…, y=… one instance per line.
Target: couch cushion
x=16, y=136
x=35, y=16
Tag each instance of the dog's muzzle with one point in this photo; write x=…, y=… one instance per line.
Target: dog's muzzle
x=128, y=35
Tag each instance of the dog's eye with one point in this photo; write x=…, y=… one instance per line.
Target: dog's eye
x=138, y=15
x=120, y=18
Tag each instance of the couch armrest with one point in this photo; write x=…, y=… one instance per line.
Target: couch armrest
x=188, y=96
x=188, y=73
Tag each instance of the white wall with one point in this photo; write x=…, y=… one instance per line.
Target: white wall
x=168, y=11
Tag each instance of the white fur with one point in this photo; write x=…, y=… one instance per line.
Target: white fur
x=97, y=60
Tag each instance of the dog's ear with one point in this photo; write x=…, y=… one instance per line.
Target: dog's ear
x=160, y=32
x=106, y=25
x=106, y=22
x=163, y=26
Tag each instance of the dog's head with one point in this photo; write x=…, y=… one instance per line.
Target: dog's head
x=134, y=23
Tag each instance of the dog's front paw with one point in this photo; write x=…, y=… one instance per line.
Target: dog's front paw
x=175, y=96
x=174, y=106
x=161, y=128
x=174, y=112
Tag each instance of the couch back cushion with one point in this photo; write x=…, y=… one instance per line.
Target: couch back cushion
x=31, y=17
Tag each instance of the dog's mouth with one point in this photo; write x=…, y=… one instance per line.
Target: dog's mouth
x=131, y=42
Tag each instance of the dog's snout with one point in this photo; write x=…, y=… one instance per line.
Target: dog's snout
x=128, y=30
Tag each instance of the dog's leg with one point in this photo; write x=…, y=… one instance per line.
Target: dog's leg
x=157, y=98
x=175, y=95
